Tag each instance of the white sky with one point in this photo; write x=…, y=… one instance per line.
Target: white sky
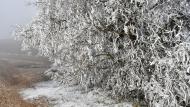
x=14, y=12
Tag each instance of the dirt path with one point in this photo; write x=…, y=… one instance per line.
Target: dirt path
x=16, y=73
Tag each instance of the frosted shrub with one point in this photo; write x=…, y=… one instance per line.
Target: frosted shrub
x=125, y=46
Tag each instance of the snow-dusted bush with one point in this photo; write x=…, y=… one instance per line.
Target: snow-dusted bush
x=124, y=46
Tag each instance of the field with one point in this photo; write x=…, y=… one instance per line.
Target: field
x=19, y=71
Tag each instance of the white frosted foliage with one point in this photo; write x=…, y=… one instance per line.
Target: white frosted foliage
x=135, y=49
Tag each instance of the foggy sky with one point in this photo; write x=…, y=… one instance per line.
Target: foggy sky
x=14, y=12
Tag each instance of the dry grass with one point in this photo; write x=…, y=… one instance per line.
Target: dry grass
x=9, y=97
x=12, y=80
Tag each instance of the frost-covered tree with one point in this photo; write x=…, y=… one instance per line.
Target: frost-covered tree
x=136, y=49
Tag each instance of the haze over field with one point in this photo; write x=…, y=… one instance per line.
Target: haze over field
x=18, y=70
x=10, y=51
x=11, y=46
x=12, y=13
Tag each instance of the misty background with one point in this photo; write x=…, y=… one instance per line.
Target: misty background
x=12, y=13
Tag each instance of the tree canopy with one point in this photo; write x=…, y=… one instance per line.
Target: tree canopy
x=137, y=49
